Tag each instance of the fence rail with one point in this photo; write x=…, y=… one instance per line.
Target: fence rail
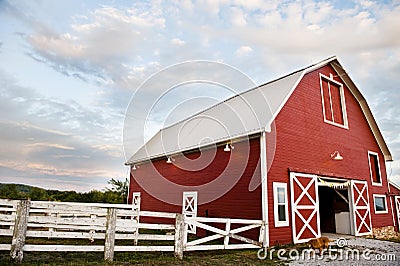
x=26, y=219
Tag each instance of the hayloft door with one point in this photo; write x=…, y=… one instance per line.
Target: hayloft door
x=305, y=207
x=361, y=208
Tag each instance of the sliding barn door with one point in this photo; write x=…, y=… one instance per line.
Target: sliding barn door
x=305, y=207
x=361, y=208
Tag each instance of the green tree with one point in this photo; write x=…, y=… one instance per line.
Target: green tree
x=119, y=188
x=38, y=194
x=9, y=191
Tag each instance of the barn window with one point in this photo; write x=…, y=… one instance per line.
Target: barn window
x=380, y=203
x=280, y=204
x=374, y=168
x=333, y=102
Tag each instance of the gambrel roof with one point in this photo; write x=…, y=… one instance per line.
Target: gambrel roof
x=245, y=114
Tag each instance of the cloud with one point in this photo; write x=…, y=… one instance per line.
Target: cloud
x=97, y=45
x=177, y=42
x=243, y=50
x=238, y=18
x=58, y=140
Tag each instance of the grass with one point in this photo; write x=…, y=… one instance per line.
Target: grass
x=224, y=257
x=216, y=257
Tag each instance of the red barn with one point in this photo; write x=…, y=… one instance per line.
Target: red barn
x=394, y=194
x=303, y=153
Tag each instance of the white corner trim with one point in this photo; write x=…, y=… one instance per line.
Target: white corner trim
x=264, y=187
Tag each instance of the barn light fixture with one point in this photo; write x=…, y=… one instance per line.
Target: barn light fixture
x=134, y=167
x=336, y=156
x=228, y=147
x=169, y=159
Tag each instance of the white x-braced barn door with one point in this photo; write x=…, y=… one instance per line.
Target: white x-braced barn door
x=397, y=203
x=189, y=208
x=305, y=207
x=361, y=208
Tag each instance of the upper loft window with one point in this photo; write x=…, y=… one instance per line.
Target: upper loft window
x=374, y=168
x=333, y=103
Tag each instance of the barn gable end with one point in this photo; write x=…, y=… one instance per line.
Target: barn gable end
x=305, y=142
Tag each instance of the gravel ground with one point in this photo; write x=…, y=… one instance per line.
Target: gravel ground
x=371, y=252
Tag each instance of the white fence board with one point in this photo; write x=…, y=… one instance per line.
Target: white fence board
x=6, y=232
x=5, y=246
x=219, y=247
x=144, y=248
x=70, y=248
x=158, y=214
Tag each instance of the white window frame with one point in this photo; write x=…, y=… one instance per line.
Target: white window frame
x=380, y=196
x=342, y=101
x=278, y=223
x=379, y=168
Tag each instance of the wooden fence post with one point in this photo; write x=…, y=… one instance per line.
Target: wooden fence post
x=179, y=235
x=110, y=234
x=20, y=227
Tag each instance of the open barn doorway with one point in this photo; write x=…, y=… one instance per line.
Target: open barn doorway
x=334, y=207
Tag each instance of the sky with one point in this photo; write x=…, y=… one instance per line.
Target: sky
x=68, y=70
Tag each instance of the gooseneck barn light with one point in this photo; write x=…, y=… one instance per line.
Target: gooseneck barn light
x=227, y=148
x=336, y=156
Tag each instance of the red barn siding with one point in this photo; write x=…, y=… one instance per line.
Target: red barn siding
x=394, y=191
x=238, y=202
x=304, y=143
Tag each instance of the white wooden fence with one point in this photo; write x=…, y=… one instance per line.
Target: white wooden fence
x=21, y=220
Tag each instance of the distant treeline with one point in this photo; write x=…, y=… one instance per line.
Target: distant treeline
x=116, y=194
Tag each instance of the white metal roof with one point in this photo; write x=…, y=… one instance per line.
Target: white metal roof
x=245, y=114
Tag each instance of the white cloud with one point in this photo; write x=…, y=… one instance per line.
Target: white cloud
x=177, y=42
x=237, y=17
x=45, y=137
x=243, y=50
x=100, y=45
x=313, y=27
